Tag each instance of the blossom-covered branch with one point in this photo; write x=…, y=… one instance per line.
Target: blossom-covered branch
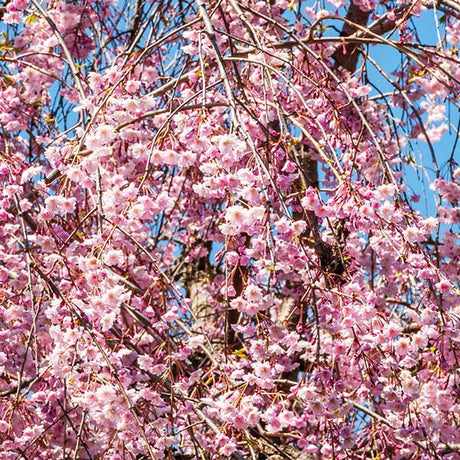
x=229, y=229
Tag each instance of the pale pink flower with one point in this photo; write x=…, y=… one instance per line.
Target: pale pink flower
x=132, y=86
x=337, y=3
x=191, y=50
x=413, y=234
x=30, y=173
x=12, y=17
x=402, y=346
x=107, y=321
x=56, y=204
x=420, y=340
x=114, y=296
x=348, y=322
x=443, y=286
x=238, y=304
x=299, y=227
x=145, y=362
x=4, y=426
x=235, y=215
x=105, y=394
x=391, y=331
x=387, y=210
x=68, y=205
x=254, y=215
x=186, y=158
x=53, y=203
x=434, y=133
x=163, y=202
x=431, y=418
x=228, y=229
x=159, y=369
x=170, y=157
x=171, y=315
x=262, y=369
x=410, y=385
x=253, y=293
x=252, y=417
x=105, y=134
x=310, y=201
x=430, y=224
x=251, y=308
x=229, y=144
x=191, y=34
x=232, y=258
x=283, y=226
x=229, y=448
x=114, y=257
x=137, y=212
x=385, y=191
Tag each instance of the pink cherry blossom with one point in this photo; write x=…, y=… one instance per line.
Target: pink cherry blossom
x=229, y=229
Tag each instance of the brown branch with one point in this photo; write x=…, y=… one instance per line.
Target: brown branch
x=23, y=384
x=3, y=9
x=347, y=56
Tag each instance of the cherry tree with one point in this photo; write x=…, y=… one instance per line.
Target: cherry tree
x=229, y=229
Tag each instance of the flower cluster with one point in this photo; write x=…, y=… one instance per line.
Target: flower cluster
x=212, y=241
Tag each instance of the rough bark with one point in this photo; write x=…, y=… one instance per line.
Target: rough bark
x=347, y=55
